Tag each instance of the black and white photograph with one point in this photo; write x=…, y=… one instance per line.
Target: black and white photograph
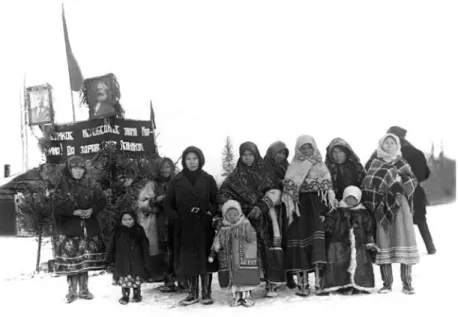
x=228, y=158
x=101, y=96
x=40, y=104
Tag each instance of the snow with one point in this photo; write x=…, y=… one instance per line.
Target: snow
x=43, y=294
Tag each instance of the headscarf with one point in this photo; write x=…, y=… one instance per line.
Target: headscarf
x=381, y=154
x=248, y=184
x=135, y=232
x=279, y=169
x=239, y=229
x=192, y=175
x=302, y=167
x=340, y=172
x=355, y=192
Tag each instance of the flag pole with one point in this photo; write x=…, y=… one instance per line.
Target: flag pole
x=69, y=75
x=26, y=131
x=21, y=105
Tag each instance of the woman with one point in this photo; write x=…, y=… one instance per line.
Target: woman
x=308, y=196
x=248, y=184
x=276, y=160
x=344, y=166
x=388, y=190
x=163, y=171
x=79, y=246
x=191, y=203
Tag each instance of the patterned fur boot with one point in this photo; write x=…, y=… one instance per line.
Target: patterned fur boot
x=72, y=295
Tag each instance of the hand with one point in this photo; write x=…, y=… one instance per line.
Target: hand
x=372, y=247
x=334, y=204
x=209, y=213
x=210, y=259
x=87, y=213
x=160, y=198
x=78, y=212
x=322, y=218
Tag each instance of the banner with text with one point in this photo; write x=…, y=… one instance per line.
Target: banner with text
x=85, y=138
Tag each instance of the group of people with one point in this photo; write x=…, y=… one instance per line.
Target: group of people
x=270, y=220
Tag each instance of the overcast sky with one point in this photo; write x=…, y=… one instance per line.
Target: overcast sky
x=252, y=70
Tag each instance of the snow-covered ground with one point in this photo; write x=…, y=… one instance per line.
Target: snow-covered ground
x=434, y=280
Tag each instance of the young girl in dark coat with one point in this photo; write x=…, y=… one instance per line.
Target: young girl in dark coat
x=128, y=251
x=349, y=241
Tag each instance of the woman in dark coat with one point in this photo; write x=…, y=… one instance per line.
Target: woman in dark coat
x=248, y=184
x=344, y=166
x=191, y=203
x=128, y=251
x=79, y=245
x=276, y=160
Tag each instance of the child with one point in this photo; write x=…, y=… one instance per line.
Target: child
x=128, y=252
x=349, y=237
x=236, y=246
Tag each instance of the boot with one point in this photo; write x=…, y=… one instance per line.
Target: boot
x=406, y=277
x=303, y=284
x=206, y=282
x=193, y=296
x=290, y=283
x=182, y=285
x=125, y=296
x=169, y=285
x=137, y=298
x=247, y=300
x=318, y=290
x=387, y=276
x=83, y=279
x=270, y=288
x=426, y=236
x=236, y=299
x=72, y=295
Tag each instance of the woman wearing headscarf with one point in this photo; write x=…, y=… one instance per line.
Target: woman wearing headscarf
x=80, y=247
x=151, y=216
x=191, y=204
x=163, y=171
x=308, y=195
x=250, y=184
x=276, y=160
x=344, y=166
x=388, y=190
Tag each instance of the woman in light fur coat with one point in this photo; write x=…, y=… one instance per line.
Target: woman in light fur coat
x=349, y=242
x=236, y=247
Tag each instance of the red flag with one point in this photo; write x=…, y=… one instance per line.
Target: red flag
x=153, y=121
x=74, y=71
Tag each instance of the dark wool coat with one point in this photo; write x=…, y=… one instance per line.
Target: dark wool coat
x=128, y=251
x=420, y=169
x=193, y=236
x=74, y=194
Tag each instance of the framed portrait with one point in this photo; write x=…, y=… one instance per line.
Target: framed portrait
x=102, y=96
x=39, y=103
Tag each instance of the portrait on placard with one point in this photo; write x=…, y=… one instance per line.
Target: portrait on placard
x=102, y=96
x=39, y=102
